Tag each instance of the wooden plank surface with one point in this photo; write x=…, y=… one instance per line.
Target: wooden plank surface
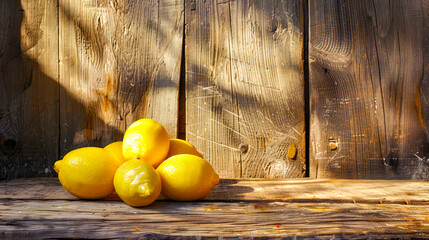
x=116, y=220
x=31, y=208
x=369, y=84
x=244, y=93
x=287, y=190
x=120, y=61
x=28, y=88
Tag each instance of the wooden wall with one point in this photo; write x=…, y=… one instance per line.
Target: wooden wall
x=255, y=85
x=76, y=73
x=29, y=90
x=369, y=89
x=245, y=92
x=119, y=61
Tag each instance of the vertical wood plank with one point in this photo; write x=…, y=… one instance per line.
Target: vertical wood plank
x=245, y=94
x=88, y=75
x=28, y=88
x=369, y=84
x=120, y=61
x=150, y=38
x=211, y=107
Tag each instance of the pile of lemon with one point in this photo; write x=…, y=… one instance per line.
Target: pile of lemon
x=146, y=163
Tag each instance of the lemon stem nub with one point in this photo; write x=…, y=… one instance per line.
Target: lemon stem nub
x=57, y=166
x=144, y=190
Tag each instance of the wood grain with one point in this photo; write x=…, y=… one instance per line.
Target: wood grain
x=113, y=220
x=368, y=87
x=150, y=40
x=28, y=88
x=286, y=190
x=88, y=75
x=246, y=209
x=120, y=61
x=245, y=95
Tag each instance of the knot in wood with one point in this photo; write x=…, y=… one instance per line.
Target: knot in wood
x=291, y=152
x=332, y=144
x=7, y=145
x=243, y=147
x=392, y=161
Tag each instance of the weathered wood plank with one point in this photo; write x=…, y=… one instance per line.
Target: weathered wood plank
x=150, y=40
x=288, y=190
x=28, y=88
x=211, y=109
x=88, y=67
x=245, y=96
x=109, y=219
x=40, y=207
x=120, y=61
x=368, y=86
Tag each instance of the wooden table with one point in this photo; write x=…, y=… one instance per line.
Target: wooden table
x=41, y=208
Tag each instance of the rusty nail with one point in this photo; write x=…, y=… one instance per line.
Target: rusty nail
x=243, y=147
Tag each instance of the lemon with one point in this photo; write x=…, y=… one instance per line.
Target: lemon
x=137, y=183
x=179, y=146
x=115, y=149
x=186, y=177
x=146, y=140
x=87, y=172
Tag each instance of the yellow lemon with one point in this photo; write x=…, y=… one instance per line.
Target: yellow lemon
x=146, y=140
x=179, y=146
x=115, y=149
x=186, y=177
x=137, y=183
x=87, y=172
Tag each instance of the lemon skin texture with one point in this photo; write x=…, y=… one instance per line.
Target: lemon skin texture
x=146, y=140
x=179, y=146
x=115, y=149
x=87, y=172
x=137, y=183
x=186, y=177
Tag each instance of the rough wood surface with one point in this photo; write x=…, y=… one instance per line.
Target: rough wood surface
x=369, y=87
x=107, y=220
x=120, y=61
x=288, y=190
x=28, y=88
x=245, y=95
x=247, y=209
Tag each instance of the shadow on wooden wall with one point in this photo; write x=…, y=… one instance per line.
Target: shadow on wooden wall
x=245, y=86
x=117, y=63
x=123, y=59
x=30, y=104
x=77, y=73
x=369, y=87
